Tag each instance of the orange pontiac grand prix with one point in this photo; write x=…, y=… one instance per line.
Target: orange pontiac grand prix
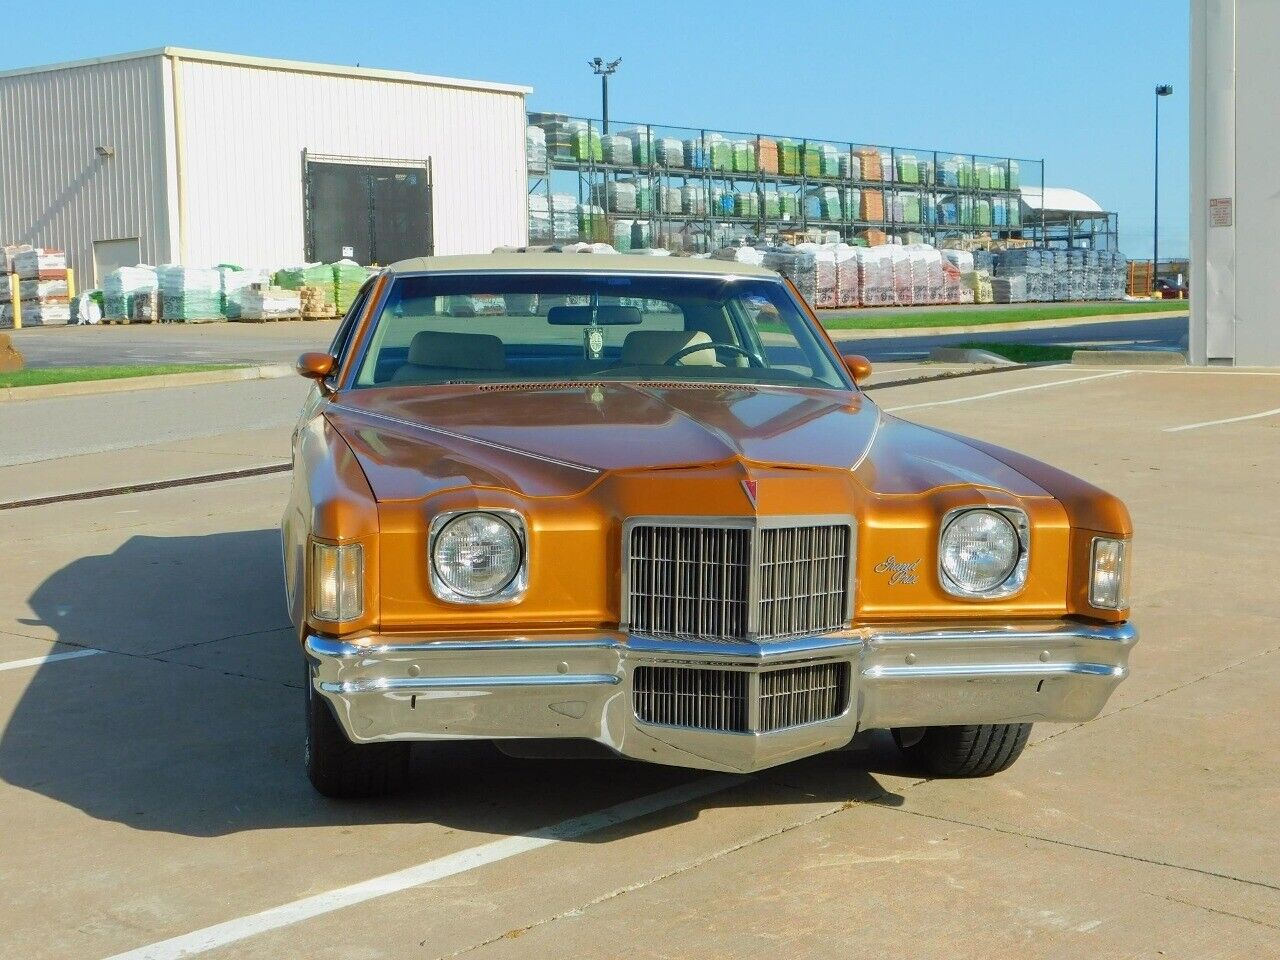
x=642, y=501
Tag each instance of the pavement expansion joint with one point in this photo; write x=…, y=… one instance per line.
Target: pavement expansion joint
x=1007, y=831
x=1221, y=913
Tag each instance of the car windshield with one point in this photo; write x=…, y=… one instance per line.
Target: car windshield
x=525, y=327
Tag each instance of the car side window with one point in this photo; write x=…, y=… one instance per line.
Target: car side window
x=342, y=338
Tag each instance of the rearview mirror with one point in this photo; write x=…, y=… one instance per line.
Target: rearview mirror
x=859, y=367
x=565, y=316
x=315, y=365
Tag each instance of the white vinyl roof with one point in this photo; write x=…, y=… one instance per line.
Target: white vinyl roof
x=268, y=63
x=1060, y=199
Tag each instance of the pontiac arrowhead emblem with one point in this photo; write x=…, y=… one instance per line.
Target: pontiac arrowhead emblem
x=749, y=487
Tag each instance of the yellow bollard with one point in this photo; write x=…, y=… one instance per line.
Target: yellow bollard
x=15, y=301
x=71, y=284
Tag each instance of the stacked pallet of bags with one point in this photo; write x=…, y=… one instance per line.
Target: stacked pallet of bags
x=875, y=275
x=190, y=294
x=744, y=156
x=771, y=204
x=767, y=155
x=592, y=224
x=616, y=149
x=669, y=152
x=873, y=206
x=695, y=154
x=788, y=157
x=847, y=291
x=1010, y=289
x=693, y=200
x=641, y=141
x=260, y=302
x=951, y=289
x=621, y=235
x=823, y=203
x=539, y=218
x=740, y=254
x=644, y=195
x=908, y=168
x=798, y=265
x=869, y=167
x=616, y=196
x=585, y=142
x=926, y=273
x=231, y=280
x=535, y=148
x=123, y=286
x=305, y=275
x=851, y=202
x=348, y=278
x=719, y=152
x=42, y=287
x=564, y=215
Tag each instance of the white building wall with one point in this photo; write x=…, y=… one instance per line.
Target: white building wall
x=1234, y=142
x=243, y=130
x=55, y=191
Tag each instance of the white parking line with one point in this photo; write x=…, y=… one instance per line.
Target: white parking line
x=50, y=658
x=1214, y=423
x=221, y=934
x=1001, y=393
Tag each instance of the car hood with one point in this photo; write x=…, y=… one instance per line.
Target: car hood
x=557, y=439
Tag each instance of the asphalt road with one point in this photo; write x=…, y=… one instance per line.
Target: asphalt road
x=1162, y=334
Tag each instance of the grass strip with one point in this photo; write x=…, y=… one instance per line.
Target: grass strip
x=40, y=376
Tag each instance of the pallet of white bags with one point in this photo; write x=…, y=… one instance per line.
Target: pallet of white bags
x=265, y=318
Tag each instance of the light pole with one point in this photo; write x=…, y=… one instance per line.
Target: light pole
x=604, y=71
x=1162, y=90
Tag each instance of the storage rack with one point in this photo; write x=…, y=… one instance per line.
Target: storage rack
x=955, y=195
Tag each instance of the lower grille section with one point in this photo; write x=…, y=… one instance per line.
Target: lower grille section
x=704, y=698
x=789, y=698
x=693, y=698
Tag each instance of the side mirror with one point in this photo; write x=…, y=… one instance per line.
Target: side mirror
x=315, y=365
x=859, y=367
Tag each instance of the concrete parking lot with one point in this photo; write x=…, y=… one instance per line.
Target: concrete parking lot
x=154, y=804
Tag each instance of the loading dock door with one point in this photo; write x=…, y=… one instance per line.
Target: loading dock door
x=367, y=211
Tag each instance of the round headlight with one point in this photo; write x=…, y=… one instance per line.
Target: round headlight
x=476, y=555
x=979, y=550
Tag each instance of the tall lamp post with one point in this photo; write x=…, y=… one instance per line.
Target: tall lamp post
x=604, y=71
x=1162, y=90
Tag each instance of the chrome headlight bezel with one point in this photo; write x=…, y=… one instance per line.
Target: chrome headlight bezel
x=1016, y=579
x=513, y=590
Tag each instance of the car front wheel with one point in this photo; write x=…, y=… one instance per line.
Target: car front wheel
x=975, y=750
x=344, y=770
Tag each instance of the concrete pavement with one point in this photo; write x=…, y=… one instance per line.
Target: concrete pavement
x=155, y=791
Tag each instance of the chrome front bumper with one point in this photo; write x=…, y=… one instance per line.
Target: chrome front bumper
x=579, y=686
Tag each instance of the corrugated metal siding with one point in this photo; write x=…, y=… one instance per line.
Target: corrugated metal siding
x=55, y=190
x=245, y=130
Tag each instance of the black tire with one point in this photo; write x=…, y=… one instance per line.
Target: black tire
x=344, y=770
x=975, y=750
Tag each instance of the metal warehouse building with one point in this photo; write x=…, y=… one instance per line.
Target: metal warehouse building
x=202, y=158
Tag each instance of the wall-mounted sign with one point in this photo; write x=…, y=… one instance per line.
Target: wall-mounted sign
x=348, y=252
x=1219, y=211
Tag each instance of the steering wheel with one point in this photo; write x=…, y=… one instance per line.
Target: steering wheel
x=752, y=359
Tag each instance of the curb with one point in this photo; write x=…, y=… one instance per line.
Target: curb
x=1128, y=358
x=958, y=355
x=887, y=333
x=83, y=388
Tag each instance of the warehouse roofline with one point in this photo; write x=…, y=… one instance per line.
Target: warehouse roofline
x=269, y=63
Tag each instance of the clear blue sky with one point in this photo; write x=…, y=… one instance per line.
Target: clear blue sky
x=1071, y=82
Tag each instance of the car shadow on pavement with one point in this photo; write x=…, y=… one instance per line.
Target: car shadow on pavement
x=192, y=721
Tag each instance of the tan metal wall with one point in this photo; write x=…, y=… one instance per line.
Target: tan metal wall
x=243, y=129
x=55, y=190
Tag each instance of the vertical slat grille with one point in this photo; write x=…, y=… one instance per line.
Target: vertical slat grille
x=705, y=698
x=789, y=698
x=690, y=697
x=804, y=580
x=690, y=581
x=694, y=582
